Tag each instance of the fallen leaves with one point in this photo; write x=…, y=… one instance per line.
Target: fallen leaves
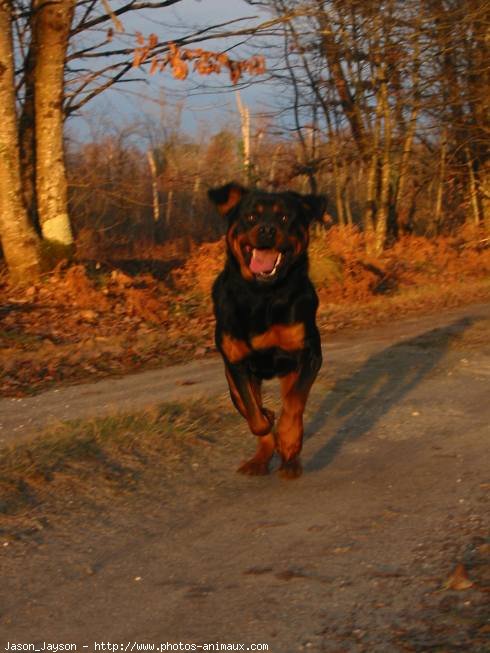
x=78, y=324
x=83, y=321
x=73, y=285
x=89, y=316
x=459, y=579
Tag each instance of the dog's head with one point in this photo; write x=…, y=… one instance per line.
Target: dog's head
x=267, y=232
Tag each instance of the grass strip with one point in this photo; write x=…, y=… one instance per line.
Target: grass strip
x=114, y=453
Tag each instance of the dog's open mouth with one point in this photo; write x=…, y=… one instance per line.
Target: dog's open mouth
x=264, y=263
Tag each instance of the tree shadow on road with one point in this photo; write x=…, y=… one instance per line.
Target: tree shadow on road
x=357, y=402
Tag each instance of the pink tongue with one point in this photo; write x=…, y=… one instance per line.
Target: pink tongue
x=263, y=260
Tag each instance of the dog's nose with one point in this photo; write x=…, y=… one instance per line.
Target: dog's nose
x=267, y=230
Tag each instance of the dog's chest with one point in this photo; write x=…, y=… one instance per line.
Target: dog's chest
x=275, y=341
x=266, y=314
x=287, y=337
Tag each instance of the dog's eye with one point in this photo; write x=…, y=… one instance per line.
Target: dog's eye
x=251, y=219
x=284, y=219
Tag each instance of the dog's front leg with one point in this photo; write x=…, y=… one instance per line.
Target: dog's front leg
x=295, y=388
x=245, y=393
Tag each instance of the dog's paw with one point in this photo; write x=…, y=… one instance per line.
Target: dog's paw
x=291, y=469
x=254, y=468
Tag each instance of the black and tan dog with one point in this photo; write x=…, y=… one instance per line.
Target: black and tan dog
x=265, y=307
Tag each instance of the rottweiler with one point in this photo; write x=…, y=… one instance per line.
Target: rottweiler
x=265, y=307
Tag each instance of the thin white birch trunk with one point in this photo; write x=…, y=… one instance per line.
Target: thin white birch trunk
x=154, y=185
x=244, y=112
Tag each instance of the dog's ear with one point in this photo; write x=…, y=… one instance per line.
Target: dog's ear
x=313, y=206
x=227, y=197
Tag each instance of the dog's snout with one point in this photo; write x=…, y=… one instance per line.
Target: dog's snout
x=267, y=231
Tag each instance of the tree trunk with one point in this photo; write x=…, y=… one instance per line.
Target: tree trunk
x=150, y=155
x=168, y=210
x=272, y=171
x=195, y=199
x=245, y=126
x=19, y=241
x=472, y=190
x=484, y=176
x=27, y=138
x=339, y=198
x=382, y=213
x=371, y=205
x=52, y=26
x=400, y=206
x=346, y=196
x=440, y=184
x=401, y=182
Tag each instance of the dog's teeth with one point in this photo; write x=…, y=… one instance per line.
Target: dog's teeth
x=276, y=265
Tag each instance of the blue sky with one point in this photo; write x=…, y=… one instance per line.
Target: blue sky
x=206, y=104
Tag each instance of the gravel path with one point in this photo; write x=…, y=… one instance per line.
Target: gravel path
x=351, y=557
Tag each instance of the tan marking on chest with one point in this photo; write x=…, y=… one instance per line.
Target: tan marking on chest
x=289, y=337
x=234, y=349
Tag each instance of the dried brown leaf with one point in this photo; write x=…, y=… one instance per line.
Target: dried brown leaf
x=459, y=579
x=179, y=68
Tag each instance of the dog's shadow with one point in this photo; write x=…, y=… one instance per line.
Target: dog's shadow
x=357, y=402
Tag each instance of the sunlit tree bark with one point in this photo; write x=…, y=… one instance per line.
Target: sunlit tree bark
x=52, y=27
x=19, y=241
x=50, y=87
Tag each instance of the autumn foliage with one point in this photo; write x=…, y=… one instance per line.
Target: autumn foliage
x=90, y=320
x=204, y=62
x=344, y=273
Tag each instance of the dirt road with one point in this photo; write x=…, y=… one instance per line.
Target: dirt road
x=354, y=556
